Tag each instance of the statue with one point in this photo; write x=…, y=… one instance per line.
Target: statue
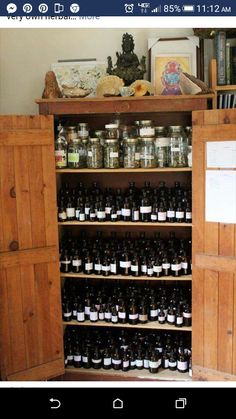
x=51, y=89
x=128, y=66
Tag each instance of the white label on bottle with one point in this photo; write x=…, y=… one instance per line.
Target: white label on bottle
x=114, y=318
x=161, y=216
x=125, y=212
x=77, y=358
x=90, y=153
x=179, y=214
x=179, y=320
x=85, y=359
x=125, y=364
x=77, y=262
x=70, y=357
x=132, y=363
x=145, y=210
x=154, y=217
x=146, y=132
x=82, y=216
x=182, y=365
x=87, y=310
x=62, y=215
x=153, y=364
x=84, y=133
x=187, y=315
x=124, y=347
x=175, y=148
x=134, y=268
x=157, y=268
x=92, y=215
x=67, y=314
x=171, y=214
x=136, y=215
x=121, y=315
x=176, y=267
x=96, y=361
x=166, y=363
x=89, y=266
x=113, y=268
x=97, y=307
x=137, y=156
x=171, y=318
x=125, y=264
x=98, y=267
x=139, y=362
x=166, y=266
x=113, y=216
x=77, y=214
x=93, y=315
x=117, y=307
x=74, y=313
x=80, y=317
x=133, y=316
x=114, y=154
x=107, y=210
x=172, y=364
x=107, y=361
x=65, y=262
x=101, y=215
x=161, y=318
x=184, y=265
x=153, y=313
x=101, y=316
x=106, y=268
x=159, y=362
x=144, y=269
x=188, y=215
x=118, y=212
x=146, y=363
x=150, y=271
x=70, y=212
x=116, y=361
x=87, y=210
x=108, y=316
x=143, y=317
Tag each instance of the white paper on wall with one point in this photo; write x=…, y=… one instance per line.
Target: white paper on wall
x=221, y=154
x=220, y=202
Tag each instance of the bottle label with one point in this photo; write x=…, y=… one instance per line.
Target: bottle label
x=80, y=317
x=134, y=268
x=179, y=214
x=171, y=214
x=113, y=268
x=161, y=318
x=77, y=214
x=166, y=363
x=73, y=157
x=96, y=361
x=77, y=262
x=85, y=359
x=153, y=313
x=70, y=357
x=93, y=315
x=146, y=132
x=133, y=316
x=179, y=320
x=124, y=347
x=113, y=216
x=83, y=133
x=60, y=158
x=188, y=215
x=125, y=264
x=70, y=212
x=176, y=267
x=132, y=363
x=108, y=316
x=139, y=362
x=101, y=316
x=150, y=271
x=106, y=268
x=90, y=153
x=114, y=154
x=87, y=210
x=125, y=364
x=166, y=266
x=67, y=314
x=171, y=318
x=77, y=358
x=114, y=319
x=107, y=210
x=182, y=365
x=172, y=364
x=106, y=361
x=97, y=267
x=121, y=315
x=74, y=313
x=143, y=317
x=136, y=215
x=118, y=212
x=175, y=148
x=144, y=269
x=82, y=216
x=137, y=156
x=88, y=266
x=187, y=315
x=66, y=362
x=146, y=363
x=125, y=212
x=116, y=361
x=145, y=210
x=154, y=217
x=87, y=310
x=184, y=265
x=101, y=215
x=153, y=364
x=157, y=268
x=62, y=215
x=65, y=262
x=92, y=215
x=161, y=216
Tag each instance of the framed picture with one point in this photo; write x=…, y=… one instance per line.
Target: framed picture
x=168, y=58
x=83, y=74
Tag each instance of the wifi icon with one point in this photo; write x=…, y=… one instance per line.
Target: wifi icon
x=156, y=10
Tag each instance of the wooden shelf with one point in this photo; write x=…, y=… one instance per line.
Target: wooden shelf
x=225, y=87
x=83, y=374
x=123, y=170
x=127, y=278
x=111, y=105
x=149, y=325
x=122, y=224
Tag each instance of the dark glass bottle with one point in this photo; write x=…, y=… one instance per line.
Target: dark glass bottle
x=171, y=315
x=179, y=215
x=154, y=214
x=149, y=268
x=113, y=264
x=165, y=359
x=188, y=213
x=176, y=266
x=106, y=361
x=70, y=355
x=132, y=359
x=101, y=314
x=125, y=264
x=122, y=315
x=80, y=313
x=65, y=262
x=139, y=359
x=70, y=210
x=143, y=263
x=161, y=315
x=170, y=213
x=179, y=320
x=135, y=212
x=114, y=315
x=184, y=264
x=74, y=308
x=126, y=210
x=81, y=213
x=172, y=361
x=67, y=311
x=101, y=215
x=114, y=216
x=96, y=359
x=153, y=310
x=86, y=358
x=87, y=207
x=133, y=313
x=182, y=361
x=187, y=315
x=146, y=360
x=165, y=264
x=93, y=315
x=135, y=266
x=77, y=361
x=157, y=267
x=108, y=209
x=118, y=210
x=62, y=216
x=92, y=213
x=88, y=264
x=97, y=264
x=125, y=361
x=143, y=313
x=76, y=262
x=154, y=363
x=116, y=359
x=161, y=214
x=108, y=313
x=106, y=266
x=87, y=306
x=145, y=208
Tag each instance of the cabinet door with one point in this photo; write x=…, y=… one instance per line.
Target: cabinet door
x=30, y=309
x=214, y=246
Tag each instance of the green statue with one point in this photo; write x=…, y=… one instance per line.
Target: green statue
x=128, y=66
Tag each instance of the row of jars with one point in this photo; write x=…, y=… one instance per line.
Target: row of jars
x=150, y=148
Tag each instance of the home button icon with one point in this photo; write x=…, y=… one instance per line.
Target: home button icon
x=118, y=404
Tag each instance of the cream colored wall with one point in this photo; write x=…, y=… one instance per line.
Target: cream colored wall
x=26, y=55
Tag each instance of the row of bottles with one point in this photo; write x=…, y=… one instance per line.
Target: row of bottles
x=121, y=351
x=146, y=204
x=127, y=255
x=116, y=303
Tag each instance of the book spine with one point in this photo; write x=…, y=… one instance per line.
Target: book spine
x=220, y=47
x=233, y=64
x=228, y=63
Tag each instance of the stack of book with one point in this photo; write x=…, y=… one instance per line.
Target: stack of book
x=226, y=60
x=226, y=100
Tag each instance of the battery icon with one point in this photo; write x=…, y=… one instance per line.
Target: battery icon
x=188, y=8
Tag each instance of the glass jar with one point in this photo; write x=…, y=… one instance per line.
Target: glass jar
x=83, y=130
x=101, y=135
x=188, y=131
x=112, y=131
x=178, y=146
x=147, y=153
x=111, y=154
x=146, y=129
x=74, y=154
x=94, y=154
x=190, y=156
x=71, y=133
x=162, y=147
x=131, y=153
x=61, y=152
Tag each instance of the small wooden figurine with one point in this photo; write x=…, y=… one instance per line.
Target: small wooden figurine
x=51, y=89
